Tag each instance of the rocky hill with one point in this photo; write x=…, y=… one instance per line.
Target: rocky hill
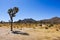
x=52, y=20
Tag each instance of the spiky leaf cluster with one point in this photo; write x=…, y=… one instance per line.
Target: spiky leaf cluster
x=12, y=12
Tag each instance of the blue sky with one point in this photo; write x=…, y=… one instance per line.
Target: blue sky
x=36, y=9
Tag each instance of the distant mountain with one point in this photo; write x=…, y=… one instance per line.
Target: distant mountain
x=30, y=20
x=52, y=20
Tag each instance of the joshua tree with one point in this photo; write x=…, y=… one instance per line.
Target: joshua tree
x=12, y=13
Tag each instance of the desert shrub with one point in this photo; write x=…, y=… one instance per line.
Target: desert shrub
x=46, y=27
x=57, y=30
x=17, y=26
x=0, y=25
x=40, y=25
x=33, y=27
x=50, y=25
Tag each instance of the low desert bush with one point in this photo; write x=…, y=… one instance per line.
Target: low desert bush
x=40, y=25
x=0, y=25
x=46, y=27
x=51, y=25
x=57, y=30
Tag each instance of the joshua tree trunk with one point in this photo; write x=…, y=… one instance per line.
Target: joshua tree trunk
x=11, y=23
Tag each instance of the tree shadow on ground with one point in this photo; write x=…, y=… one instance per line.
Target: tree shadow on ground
x=19, y=32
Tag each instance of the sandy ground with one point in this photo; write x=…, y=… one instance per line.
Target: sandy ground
x=33, y=34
